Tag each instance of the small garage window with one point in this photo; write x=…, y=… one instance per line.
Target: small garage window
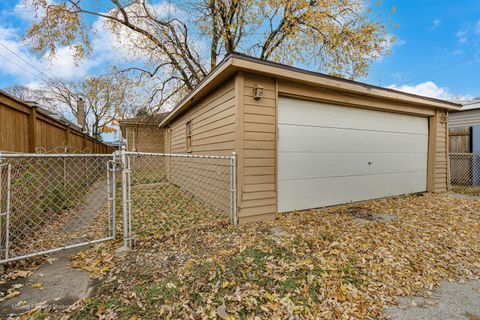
x=189, y=136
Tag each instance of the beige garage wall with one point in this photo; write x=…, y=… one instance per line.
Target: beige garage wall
x=213, y=126
x=213, y=122
x=257, y=149
x=440, y=149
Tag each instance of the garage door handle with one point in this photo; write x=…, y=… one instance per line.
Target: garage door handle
x=370, y=163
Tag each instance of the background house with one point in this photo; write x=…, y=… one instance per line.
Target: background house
x=143, y=133
x=307, y=140
x=464, y=128
x=464, y=141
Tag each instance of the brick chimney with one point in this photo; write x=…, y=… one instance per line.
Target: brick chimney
x=81, y=113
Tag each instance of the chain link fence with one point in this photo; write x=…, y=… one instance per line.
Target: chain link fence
x=465, y=173
x=50, y=202
x=170, y=192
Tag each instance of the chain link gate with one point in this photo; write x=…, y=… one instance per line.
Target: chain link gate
x=165, y=193
x=53, y=202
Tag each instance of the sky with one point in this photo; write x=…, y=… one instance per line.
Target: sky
x=436, y=53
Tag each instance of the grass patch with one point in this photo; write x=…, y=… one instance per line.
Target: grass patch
x=96, y=307
x=164, y=208
x=351, y=273
x=471, y=191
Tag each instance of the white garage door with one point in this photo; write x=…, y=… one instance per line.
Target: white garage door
x=329, y=154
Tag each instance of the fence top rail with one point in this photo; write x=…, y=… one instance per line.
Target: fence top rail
x=179, y=155
x=54, y=155
x=464, y=154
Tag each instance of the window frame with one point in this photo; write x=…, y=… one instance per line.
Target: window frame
x=188, y=135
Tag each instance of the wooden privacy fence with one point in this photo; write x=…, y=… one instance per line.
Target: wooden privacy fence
x=28, y=129
x=460, y=140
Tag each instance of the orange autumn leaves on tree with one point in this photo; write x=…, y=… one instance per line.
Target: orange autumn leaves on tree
x=180, y=43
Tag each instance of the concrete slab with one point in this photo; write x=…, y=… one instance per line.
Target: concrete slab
x=61, y=286
x=451, y=301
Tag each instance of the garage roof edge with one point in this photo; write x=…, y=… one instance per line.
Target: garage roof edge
x=236, y=62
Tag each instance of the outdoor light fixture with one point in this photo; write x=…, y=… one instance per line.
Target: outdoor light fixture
x=443, y=119
x=258, y=92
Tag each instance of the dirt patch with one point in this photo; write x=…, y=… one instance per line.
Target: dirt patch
x=367, y=214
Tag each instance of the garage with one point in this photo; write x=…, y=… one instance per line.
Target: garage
x=330, y=154
x=305, y=140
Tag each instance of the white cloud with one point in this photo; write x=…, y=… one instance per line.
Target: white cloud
x=21, y=11
x=435, y=24
x=399, y=42
x=120, y=48
x=428, y=89
x=62, y=65
x=469, y=33
x=457, y=52
x=107, y=50
x=462, y=36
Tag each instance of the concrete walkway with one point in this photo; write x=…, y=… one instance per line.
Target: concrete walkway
x=56, y=285
x=451, y=301
x=96, y=200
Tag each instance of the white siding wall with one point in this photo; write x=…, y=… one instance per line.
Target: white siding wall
x=467, y=118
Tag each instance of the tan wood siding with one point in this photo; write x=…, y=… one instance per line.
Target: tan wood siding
x=258, y=198
x=213, y=124
x=288, y=88
x=441, y=155
x=213, y=133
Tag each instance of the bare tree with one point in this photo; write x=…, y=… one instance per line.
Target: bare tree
x=182, y=43
x=106, y=98
x=28, y=94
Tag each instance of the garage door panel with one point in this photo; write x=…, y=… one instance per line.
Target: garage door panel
x=303, y=112
x=324, y=153
x=294, y=138
x=301, y=166
x=320, y=192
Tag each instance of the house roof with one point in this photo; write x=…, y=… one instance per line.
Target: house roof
x=470, y=105
x=148, y=120
x=239, y=62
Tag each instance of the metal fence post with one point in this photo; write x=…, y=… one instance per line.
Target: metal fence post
x=233, y=188
x=114, y=196
x=1, y=206
x=7, y=226
x=125, y=212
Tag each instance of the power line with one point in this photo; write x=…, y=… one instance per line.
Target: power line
x=436, y=71
x=31, y=65
x=25, y=69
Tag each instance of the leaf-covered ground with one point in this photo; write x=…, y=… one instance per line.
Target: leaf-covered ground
x=319, y=264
